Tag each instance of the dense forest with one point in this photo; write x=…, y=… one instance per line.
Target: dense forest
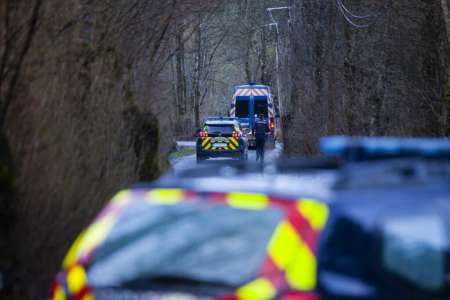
x=93, y=95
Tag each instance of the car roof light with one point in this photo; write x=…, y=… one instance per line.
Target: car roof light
x=369, y=148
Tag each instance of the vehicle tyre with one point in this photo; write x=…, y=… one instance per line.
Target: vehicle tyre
x=200, y=159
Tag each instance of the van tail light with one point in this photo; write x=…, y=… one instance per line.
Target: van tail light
x=272, y=125
x=203, y=134
x=236, y=135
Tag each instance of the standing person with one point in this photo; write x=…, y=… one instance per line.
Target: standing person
x=260, y=130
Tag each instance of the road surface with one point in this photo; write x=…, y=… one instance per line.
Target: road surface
x=184, y=162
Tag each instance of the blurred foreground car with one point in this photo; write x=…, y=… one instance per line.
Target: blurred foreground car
x=388, y=232
x=373, y=227
x=185, y=239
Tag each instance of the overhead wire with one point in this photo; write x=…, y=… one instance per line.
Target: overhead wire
x=352, y=14
x=350, y=17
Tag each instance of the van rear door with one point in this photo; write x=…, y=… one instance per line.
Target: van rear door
x=243, y=109
x=261, y=106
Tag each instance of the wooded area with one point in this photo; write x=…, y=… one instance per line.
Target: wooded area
x=93, y=95
x=389, y=78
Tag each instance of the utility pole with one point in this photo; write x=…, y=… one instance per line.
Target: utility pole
x=277, y=64
x=275, y=23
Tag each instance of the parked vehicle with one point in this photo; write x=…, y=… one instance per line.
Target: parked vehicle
x=369, y=223
x=253, y=100
x=388, y=232
x=221, y=137
x=213, y=232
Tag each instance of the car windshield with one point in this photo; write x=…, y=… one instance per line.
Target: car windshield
x=242, y=108
x=203, y=242
x=223, y=129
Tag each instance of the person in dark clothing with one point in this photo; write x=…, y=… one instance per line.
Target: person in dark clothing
x=260, y=130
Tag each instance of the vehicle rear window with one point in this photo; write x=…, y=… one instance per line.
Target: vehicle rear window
x=203, y=242
x=242, y=108
x=223, y=129
x=261, y=107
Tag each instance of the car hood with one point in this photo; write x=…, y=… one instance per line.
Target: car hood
x=248, y=243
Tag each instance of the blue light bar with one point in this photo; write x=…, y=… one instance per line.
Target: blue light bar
x=369, y=148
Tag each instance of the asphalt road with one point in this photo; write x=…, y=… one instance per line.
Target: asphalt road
x=181, y=163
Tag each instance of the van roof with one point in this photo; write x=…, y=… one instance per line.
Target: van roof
x=254, y=86
x=219, y=122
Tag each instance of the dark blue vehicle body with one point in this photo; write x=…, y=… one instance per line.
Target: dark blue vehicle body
x=258, y=94
x=388, y=233
x=250, y=100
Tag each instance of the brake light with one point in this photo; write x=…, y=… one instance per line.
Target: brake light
x=272, y=125
x=203, y=134
x=236, y=135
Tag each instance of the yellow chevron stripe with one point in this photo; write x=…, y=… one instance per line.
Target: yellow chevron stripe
x=206, y=141
x=233, y=141
x=231, y=146
x=248, y=201
x=76, y=279
x=315, y=212
x=165, y=196
x=259, y=289
x=291, y=254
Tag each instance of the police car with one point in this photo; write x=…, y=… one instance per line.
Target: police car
x=387, y=235
x=222, y=231
x=221, y=137
x=358, y=226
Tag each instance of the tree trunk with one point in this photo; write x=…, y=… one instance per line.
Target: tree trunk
x=197, y=76
x=181, y=81
x=446, y=13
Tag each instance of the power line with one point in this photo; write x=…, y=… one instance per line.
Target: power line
x=349, y=16
x=350, y=13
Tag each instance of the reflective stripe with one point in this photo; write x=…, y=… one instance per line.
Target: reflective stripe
x=88, y=297
x=165, y=196
x=293, y=256
x=234, y=142
x=259, y=289
x=301, y=274
x=95, y=235
x=315, y=212
x=97, y=232
x=284, y=245
x=72, y=255
x=248, y=201
x=59, y=294
x=76, y=280
x=122, y=197
x=206, y=141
